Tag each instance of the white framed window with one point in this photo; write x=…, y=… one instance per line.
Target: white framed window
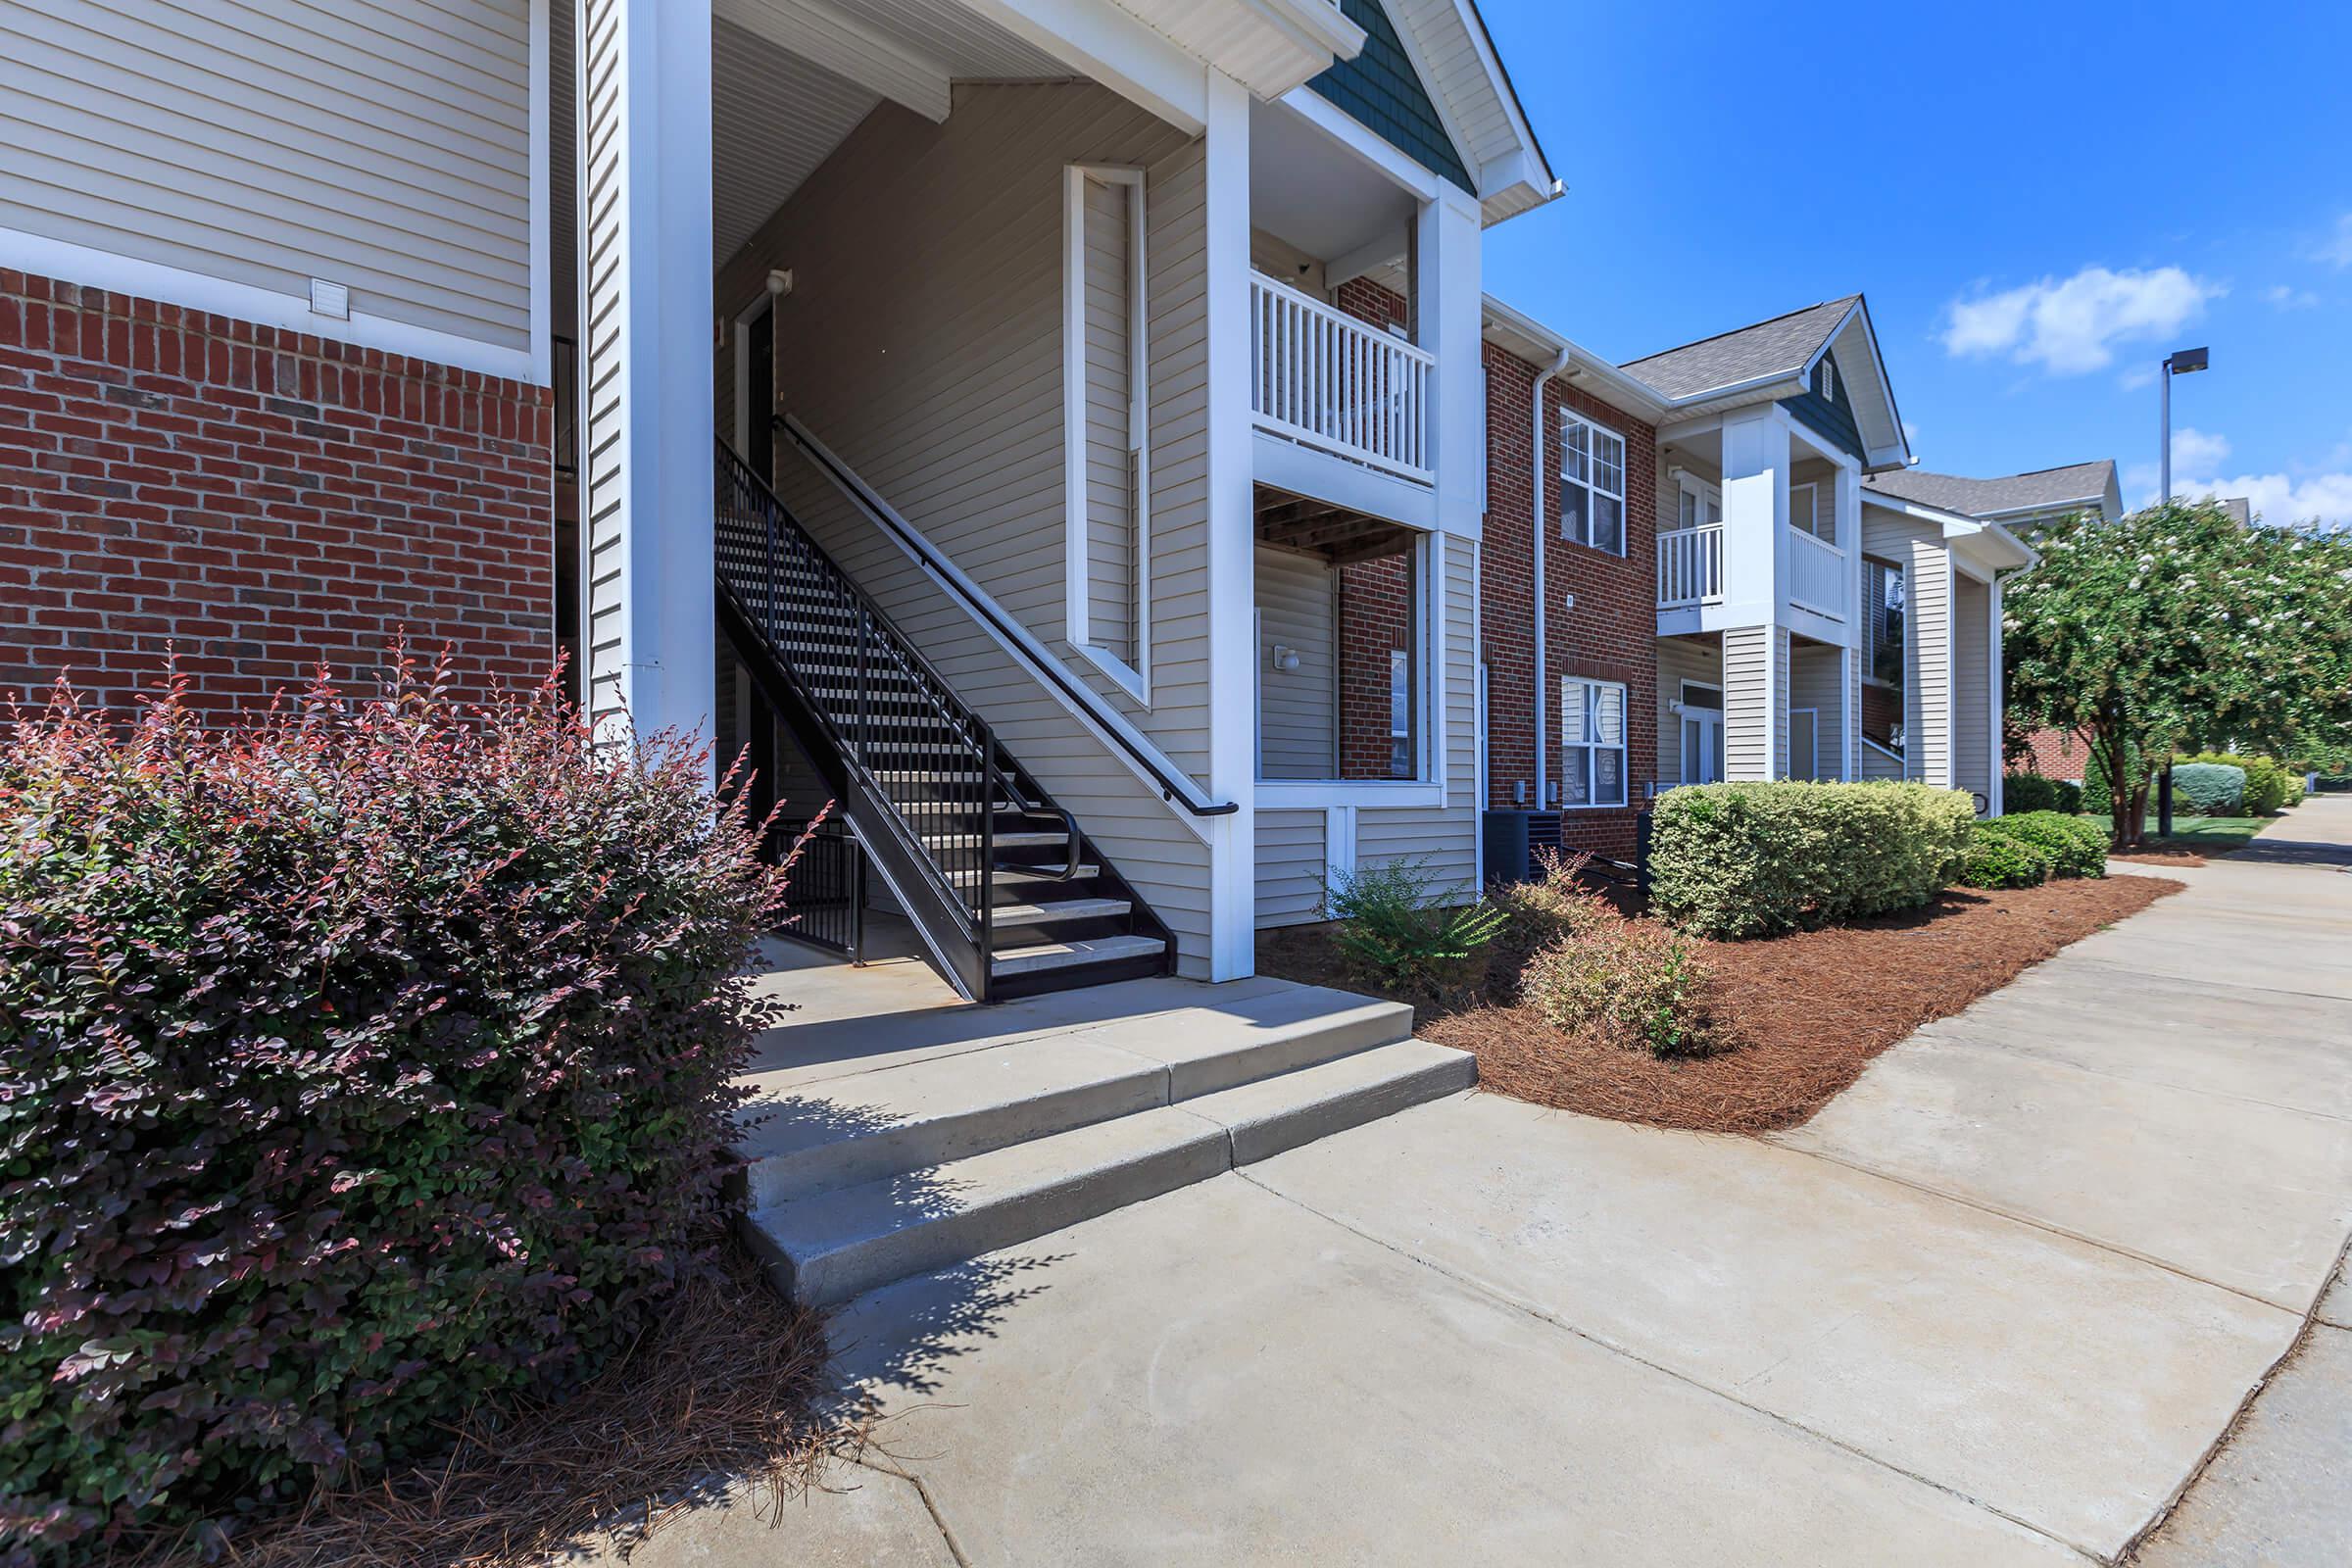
x=1400, y=714
x=1592, y=484
x=1592, y=743
x=1702, y=503
x=1106, y=400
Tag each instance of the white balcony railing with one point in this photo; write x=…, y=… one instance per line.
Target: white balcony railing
x=1331, y=381
x=1691, y=567
x=1816, y=575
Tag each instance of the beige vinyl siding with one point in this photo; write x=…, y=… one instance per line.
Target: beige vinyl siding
x=1289, y=867
x=1444, y=837
x=1298, y=709
x=1972, y=711
x=1747, y=727
x=923, y=343
x=1107, y=305
x=1919, y=549
x=380, y=145
x=1681, y=659
x=1281, y=259
x=603, y=363
x=1814, y=682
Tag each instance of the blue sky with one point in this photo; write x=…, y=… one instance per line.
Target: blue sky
x=2040, y=201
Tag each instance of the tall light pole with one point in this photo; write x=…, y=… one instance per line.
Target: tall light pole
x=2181, y=362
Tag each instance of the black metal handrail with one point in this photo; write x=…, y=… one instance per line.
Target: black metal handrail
x=902, y=734
x=878, y=514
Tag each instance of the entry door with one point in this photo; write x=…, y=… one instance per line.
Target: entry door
x=1702, y=735
x=1804, y=753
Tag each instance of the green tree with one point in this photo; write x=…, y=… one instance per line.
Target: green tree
x=2176, y=629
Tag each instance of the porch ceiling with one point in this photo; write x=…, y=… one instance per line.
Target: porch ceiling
x=1340, y=534
x=791, y=78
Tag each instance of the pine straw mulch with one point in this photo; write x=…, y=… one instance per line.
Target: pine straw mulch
x=720, y=1395
x=1799, y=1015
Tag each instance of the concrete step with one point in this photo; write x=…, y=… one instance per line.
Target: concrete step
x=1069, y=954
x=1010, y=914
x=831, y=1245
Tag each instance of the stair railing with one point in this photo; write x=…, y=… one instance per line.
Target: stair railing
x=922, y=770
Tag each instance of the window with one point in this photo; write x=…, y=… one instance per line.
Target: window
x=1701, y=503
x=1592, y=485
x=1813, y=509
x=1883, y=604
x=1592, y=743
x=1400, y=714
x=1104, y=399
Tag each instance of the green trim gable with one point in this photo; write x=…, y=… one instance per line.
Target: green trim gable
x=1380, y=91
x=1832, y=416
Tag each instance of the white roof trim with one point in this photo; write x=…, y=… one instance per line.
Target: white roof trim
x=1589, y=372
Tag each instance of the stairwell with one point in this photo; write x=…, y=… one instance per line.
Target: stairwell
x=883, y=1147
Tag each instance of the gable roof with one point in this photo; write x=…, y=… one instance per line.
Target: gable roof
x=1784, y=346
x=1383, y=90
x=2077, y=484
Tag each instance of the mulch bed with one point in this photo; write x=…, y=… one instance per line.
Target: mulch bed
x=721, y=1391
x=1800, y=1015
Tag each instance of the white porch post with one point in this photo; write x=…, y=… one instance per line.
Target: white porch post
x=644, y=89
x=1231, y=510
x=1994, y=698
x=1449, y=314
x=1857, y=629
x=1755, y=525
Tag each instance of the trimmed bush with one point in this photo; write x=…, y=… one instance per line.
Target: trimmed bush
x=2076, y=845
x=2030, y=792
x=2209, y=788
x=359, y=1070
x=1997, y=860
x=2270, y=786
x=1642, y=987
x=1403, y=929
x=1753, y=859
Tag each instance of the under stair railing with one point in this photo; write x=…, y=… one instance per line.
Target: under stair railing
x=924, y=782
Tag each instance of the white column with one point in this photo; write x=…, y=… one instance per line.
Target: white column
x=646, y=366
x=1993, y=699
x=1756, y=526
x=1449, y=311
x=1232, y=508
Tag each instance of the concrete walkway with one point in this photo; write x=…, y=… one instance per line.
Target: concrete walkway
x=1996, y=1304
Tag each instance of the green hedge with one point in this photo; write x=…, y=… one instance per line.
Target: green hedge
x=2209, y=788
x=360, y=1070
x=2030, y=792
x=2270, y=786
x=1997, y=860
x=1752, y=860
x=2075, y=845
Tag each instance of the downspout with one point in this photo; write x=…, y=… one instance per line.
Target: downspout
x=1542, y=801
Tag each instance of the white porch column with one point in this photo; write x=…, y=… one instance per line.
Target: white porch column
x=647, y=369
x=1449, y=315
x=1231, y=510
x=1994, y=698
x=1858, y=626
x=1755, y=644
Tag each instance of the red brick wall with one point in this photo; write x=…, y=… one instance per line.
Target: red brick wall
x=258, y=499
x=2054, y=754
x=1612, y=631
x=1375, y=619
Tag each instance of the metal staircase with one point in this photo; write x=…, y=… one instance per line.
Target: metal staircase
x=1009, y=896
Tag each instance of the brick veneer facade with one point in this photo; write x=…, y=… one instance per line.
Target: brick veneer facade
x=2053, y=753
x=258, y=500
x=1609, y=634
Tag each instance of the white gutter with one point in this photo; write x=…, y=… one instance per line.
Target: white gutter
x=1559, y=366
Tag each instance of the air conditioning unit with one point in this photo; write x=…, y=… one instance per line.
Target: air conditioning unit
x=1513, y=839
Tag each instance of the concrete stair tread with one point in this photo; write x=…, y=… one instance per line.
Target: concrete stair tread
x=832, y=1245
x=1066, y=955
x=1016, y=839
x=1029, y=873
x=1004, y=914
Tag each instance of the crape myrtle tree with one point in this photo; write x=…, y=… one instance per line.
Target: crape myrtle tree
x=2177, y=629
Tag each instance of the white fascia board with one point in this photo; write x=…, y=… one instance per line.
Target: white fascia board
x=1316, y=26
x=1516, y=182
x=1513, y=330
x=1880, y=457
x=91, y=268
x=817, y=32
x=1114, y=48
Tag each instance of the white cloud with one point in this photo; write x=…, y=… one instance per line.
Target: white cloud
x=2336, y=248
x=2195, y=452
x=2137, y=376
x=2290, y=299
x=2277, y=498
x=2072, y=325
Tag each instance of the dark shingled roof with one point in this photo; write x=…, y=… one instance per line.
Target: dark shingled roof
x=2078, y=482
x=1781, y=345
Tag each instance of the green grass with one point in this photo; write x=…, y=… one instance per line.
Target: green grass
x=2207, y=835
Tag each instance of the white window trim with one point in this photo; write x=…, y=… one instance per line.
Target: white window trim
x=1135, y=679
x=1623, y=748
x=1592, y=488
x=1903, y=573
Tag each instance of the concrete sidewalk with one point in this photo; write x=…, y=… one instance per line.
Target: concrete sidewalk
x=1995, y=1305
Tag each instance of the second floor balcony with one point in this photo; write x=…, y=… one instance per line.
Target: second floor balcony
x=1348, y=387
x=1700, y=569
